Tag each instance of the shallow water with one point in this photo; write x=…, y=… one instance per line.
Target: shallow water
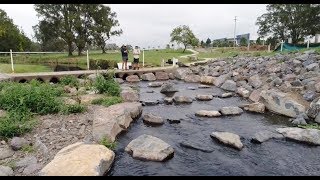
x=273, y=157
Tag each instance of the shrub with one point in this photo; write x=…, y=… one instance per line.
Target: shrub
x=108, y=86
x=108, y=101
x=75, y=108
x=107, y=143
x=309, y=126
x=69, y=80
x=16, y=123
x=36, y=97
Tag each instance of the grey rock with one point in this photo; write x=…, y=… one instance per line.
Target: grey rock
x=229, y=139
x=229, y=85
x=231, y=111
x=6, y=171
x=192, y=78
x=168, y=88
x=296, y=83
x=298, y=120
x=196, y=146
x=5, y=152
x=28, y=160
x=255, y=81
x=226, y=95
x=309, y=95
x=163, y=76
x=204, y=97
x=155, y=84
x=265, y=135
x=32, y=168
x=168, y=100
x=17, y=143
x=309, y=136
x=312, y=67
x=152, y=119
x=40, y=146
x=148, y=77
x=182, y=99
x=133, y=78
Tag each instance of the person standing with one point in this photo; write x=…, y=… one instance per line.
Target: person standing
x=124, y=53
x=136, y=56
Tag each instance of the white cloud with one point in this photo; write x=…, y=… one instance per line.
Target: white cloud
x=150, y=24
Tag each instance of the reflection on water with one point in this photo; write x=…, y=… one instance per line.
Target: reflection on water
x=274, y=157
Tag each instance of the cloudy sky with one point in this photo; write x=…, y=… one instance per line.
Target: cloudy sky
x=150, y=24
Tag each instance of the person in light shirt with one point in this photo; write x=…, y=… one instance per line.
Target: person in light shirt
x=136, y=55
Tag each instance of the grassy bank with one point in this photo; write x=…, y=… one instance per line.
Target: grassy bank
x=23, y=68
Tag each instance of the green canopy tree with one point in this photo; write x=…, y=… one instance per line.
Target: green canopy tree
x=184, y=35
x=290, y=20
x=208, y=42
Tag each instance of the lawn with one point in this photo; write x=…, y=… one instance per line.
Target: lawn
x=23, y=68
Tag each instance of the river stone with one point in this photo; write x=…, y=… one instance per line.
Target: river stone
x=255, y=81
x=192, y=78
x=196, y=146
x=226, y=95
x=150, y=102
x=207, y=79
x=119, y=80
x=204, y=97
x=168, y=100
x=80, y=159
x=206, y=113
x=265, y=135
x=317, y=87
x=148, y=77
x=255, y=95
x=309, y=96
x=203, y=86
x=220, y=80
x=229, y=139
x=168, y=88
x=5, y=152
x=180, y=73
x=162, y=76
x=108, y=122
x=26, y=161
x=298, y=120
x=174, y=121
x=255, y=107
x=151, y=148
x=6, y=171
x=17, y=143
x=314, y=109
x=231, y=110
x=243, y=92
x=281, y=103
x=152, y=119
x=129, y=95
x=182, y=99
x=132, y=78
x=309, y=136
x=155, y=84
x=229, y=85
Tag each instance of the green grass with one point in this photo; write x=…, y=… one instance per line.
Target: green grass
x=24, y=68
x=28, y=149
x=310, y=126
x=72, y=109
x=107, y=143
x=151, y=57
x=107, y=101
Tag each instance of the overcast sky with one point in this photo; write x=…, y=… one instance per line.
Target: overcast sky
x=150, y=24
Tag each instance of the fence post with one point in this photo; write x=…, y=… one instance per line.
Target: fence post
x=248, y=46
x=12, y=68
x=88, y=64
x=142, y=58
x=269, y=46
x=308, y=44
x=281, y=45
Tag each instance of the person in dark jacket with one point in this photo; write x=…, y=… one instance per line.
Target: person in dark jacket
x=124, y=53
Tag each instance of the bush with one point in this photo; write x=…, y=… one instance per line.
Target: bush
x=16, y=123
x=108, y=144
x=108, y=101
x=107, y=85
x=69, y=80
x=76, y=108
x=35, y=97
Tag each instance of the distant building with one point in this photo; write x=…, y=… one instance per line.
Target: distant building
x=238, y=38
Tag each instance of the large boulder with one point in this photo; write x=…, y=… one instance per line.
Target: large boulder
x=229, y=139
x=309, y=136
x=231, y=110
x=152, y=119
x=229, y=85
x=182, y=100
x=281, y=103
x=314, y=110
x=265, y=135
x=180, y=73
x=133, y=78
x=192, y=78
x=150, y=148
x=168, y=88
x=204, y=97
x=220, y=80
x=129, y=95
x=207, y=79
x=80, y=159
x=206, y=113
x=5, y=152
x=162, y=76
x=255, y=81
x=255, y=107
x=108, y=122
x=148, y=77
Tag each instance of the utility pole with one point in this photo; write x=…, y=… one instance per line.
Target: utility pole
x=235, y=25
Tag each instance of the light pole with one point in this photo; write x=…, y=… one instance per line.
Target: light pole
x=235, y=25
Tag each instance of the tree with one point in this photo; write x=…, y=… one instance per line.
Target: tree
x=208, y=42
x=243, y=41
x=258, y=41
x=168, y=46
x=202, y=43
x=11, y=37
x=104, y=21
x=184, y=35
x=290, y=20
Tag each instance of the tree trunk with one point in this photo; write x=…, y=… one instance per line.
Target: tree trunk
x=70, y=49
x=80, y=51
x=185, y=47
x=103, y=49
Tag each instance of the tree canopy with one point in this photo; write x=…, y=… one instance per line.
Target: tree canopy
x=290, y=20
x=11, y=37
x=184, y=35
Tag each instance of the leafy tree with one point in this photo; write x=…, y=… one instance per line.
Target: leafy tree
x=290, y=20
x=168, y=46
x=243, y=41
x=184, y=35
x=202, y=43
x=208, y=42
x=258, y=41
x=11, y=37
